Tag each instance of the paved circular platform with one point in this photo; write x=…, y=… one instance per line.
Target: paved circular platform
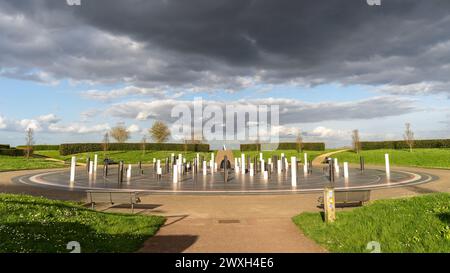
x=215, y=184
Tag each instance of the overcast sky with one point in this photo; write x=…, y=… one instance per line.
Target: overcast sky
x=72, y=72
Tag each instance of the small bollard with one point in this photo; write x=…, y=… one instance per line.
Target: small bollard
x=329, y=205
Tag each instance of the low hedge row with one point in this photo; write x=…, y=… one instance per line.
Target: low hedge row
x=401, y=144
x=75, y=148
x=309, y=146
x=4, y=146
x=41, y=147
x=12, y=152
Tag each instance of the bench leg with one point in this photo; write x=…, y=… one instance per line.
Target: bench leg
x=93, y=206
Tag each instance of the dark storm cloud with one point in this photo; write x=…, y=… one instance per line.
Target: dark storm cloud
x=204, y=44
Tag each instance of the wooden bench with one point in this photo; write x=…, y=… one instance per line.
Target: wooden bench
x=352, y=197
x=113, y=197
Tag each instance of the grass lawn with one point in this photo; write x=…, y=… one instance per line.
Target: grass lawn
x=433, y=158
x=11, y=163
x=30, y=224
x=136, y=156
x=418, y=224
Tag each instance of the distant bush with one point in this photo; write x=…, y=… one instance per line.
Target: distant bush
x=308, y=146
x=4, y=146
x=75, y=148
x=41, y=147
x=12, y=152
x=401, y=144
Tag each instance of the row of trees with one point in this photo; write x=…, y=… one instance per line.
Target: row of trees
x=159, y=132
x=408, y=136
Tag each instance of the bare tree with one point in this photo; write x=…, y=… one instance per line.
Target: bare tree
x=143, y=144
x=159, y=132
x=120, y=133
x=105, y=143
x=356, y=142
x=299, y=142
x=409, y=136
x=29, y=138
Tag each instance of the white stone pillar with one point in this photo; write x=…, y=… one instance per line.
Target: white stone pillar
x=260, y=156
x=236, y=166
x=293, y=171
x=95, y=162
x=73, y=164
x=252, y=171
x=388, y=169
x=91, y=167
x=266, y=175
x=279, y=166
x=175, y=174
x=211, y=165
x=263, y=167
x=129, y=171
x=243, y=163
x=336, y=166
x=346, y=169
x=204, y=167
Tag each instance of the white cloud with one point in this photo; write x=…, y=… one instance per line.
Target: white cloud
x=50, y=118
x=123, y=92
x=133, y=128
x=2, y=123
x=78, y=128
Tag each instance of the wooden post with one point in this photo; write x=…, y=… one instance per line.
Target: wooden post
x=329, y=205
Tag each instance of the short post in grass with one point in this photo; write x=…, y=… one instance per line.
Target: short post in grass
x=294, y=171
x=73, y=164
x=329, y=205
x=388, y=169
x=361, y=164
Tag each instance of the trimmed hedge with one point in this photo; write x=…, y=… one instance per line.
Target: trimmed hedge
x=41, y=147
x=76, y=148
x=401, y=144
x=308, y=146
x=4, y=146
x=12, y=152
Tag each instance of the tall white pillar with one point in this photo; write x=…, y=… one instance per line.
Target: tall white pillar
x=336, y=165
x=212, y=156
x=263, y=167
x=260, y=156
x=204, y=167
x=266, y=175
x=236, y=167
x=73, y=164
x=388, y=169
x=129, y=171
x=252, y=171
x=243, y=163
x=305, y=167
x=95, y=162
x=175, y=174
x=91, y=167
x=346, y=169
x=211, y=165
x=279, y=166
x=293, y=171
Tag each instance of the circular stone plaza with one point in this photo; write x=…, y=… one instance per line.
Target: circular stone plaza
x=192, y=179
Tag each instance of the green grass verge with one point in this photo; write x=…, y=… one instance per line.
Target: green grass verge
x=136, y=156
x=419, y=224
x=31, y=224
x=12, y=163
x=432, y=158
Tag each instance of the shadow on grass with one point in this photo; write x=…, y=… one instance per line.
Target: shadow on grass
x=444, y=217
x=36, y=237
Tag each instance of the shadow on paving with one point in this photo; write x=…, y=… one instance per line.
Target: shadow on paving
x=168, y=243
